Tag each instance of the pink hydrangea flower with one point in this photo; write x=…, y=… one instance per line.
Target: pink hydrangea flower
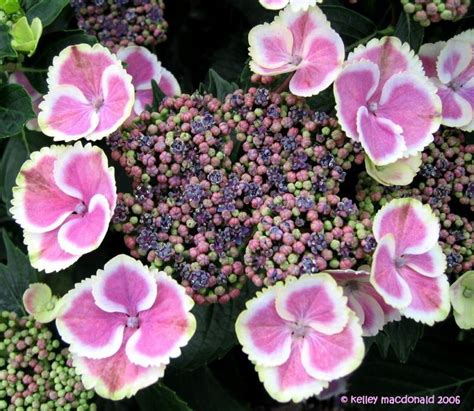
x=375, y=95
x=90, y=94
x=450, y=65
x=123, y=326
x=64, y=199
x=302, y=43
x=296, y=5
x=364, y=300
x=144, y=67
x=408, y=264
x=300, y=336
x=36, y=97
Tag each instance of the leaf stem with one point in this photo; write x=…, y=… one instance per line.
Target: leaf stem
x=4, y=69
x=25, y=141
x=454, y=384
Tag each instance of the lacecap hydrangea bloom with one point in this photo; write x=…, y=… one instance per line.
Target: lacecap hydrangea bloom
x=298, y=42
x=124, y=325
x=144, y=67
x=300, y=336
x=408, y=268
x=64, y=199
x=450, y=66
x=462, y=300
x=296, y=5
x=375, y=95
x=90, y=94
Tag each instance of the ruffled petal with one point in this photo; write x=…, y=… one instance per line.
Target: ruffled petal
x=290, y=381
x=163, y=328
x=400, y=94
x=430, y=264
x=374, y=317
x=414, y=225
x=328, y=357
x=89, y=330
x=270, y=45
x=265, y=337
x=453, y=60
x=66, y=114
x=39, y=205
x=273, y=4
x=71, y=179
x=323, y=55
x=316, y=301
x=116, y=377
x=430, y=297
x=142, y=65
x=400, y=173
x=352, y=89
x=385, y=277
x=125, y=285
x=82, y=234
x=428, y=54
x=381, y=138
x=168, y=84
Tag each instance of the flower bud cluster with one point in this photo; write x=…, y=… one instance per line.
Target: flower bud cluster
x=426, y=12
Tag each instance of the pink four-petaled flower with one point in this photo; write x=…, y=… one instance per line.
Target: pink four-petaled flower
x=64, y=199
x=408, y=265
x=123, y=326
x=300, y=336
x=90, y=94
x=450, y=65
x=299, y=42
x=384, y=101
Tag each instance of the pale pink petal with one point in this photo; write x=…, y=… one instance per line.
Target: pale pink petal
x=265, y=337
x=328, y=357
x=273, y=4
x=45, y=253
x=381, y=138
x=316, y=301
x=385, y=277
x=431, y=264
x=270, y=45
x=391, y=313
x=90, y=331
x=453, y=60
x=163, y=328
x=285, y=68
x=323, y=55
x=118, y=100
x=400, y=94
x=66, y=114
x=428, y=54
x=124, y=285
x=466, y=92
x=142, y=65
x=168, y=84
x=374, y=317
x=20, y=78
x=115, y=377
x=290, y=381
x=430, y=297
x=33, y=123
x=414, y=225
x=352, y=90
x=38, y=203
x=70, y=176
x=143, y=98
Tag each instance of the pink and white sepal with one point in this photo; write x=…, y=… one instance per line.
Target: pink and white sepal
x=64, y=199
x=124, y=325
x=408, y=267
x=300, y=336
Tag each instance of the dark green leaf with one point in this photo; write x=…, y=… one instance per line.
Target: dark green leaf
x=15, y=109
x=6, y=49
x=46, y=10
x=159, y=396
x=14, y=277
x=409, y=31
x=158, y=95
x=351, y=25
x=215, y=334
x=217, y=86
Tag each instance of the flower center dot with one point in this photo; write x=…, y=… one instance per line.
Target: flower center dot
x=298, y=330
x=400, y=262
x=373, y=107
x=98, y=103
x=132, y=322
x=80, y=208
x=295, y=60
x=454, y=85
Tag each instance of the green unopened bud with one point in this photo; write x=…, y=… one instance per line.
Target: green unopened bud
x=25, y=37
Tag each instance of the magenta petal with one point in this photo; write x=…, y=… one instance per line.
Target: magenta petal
x=381, y=138
x=385, y=277
x=163, y=328
x=428, y=54
x=124, y=285
x=352, y=89
x=82, y=234
x=143, y=98
x=457, y=111
x=431, y=264
x=142, y=65
x=390, y=313
x=89, y=330
x=453, y=60
x=168, y=84
x=115, y=377
x=374, y=317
